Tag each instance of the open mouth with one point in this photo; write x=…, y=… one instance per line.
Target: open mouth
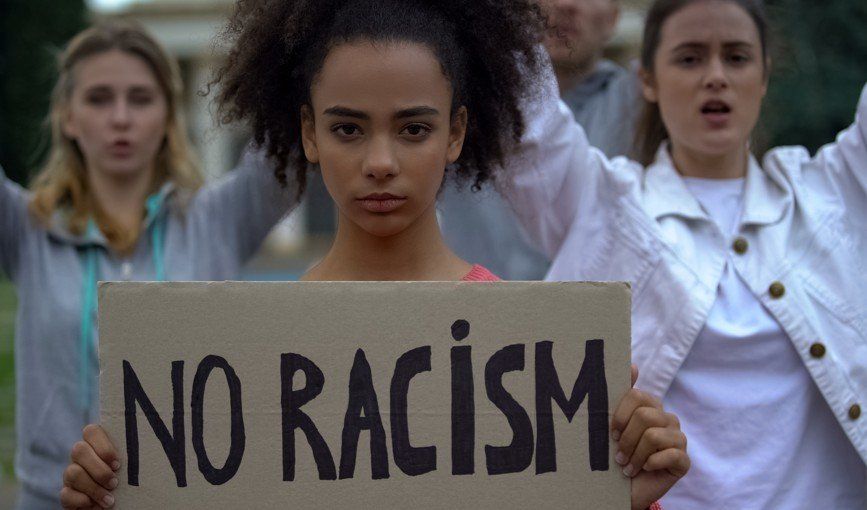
x=715, y=107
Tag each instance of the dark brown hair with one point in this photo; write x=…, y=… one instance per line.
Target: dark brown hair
x=487, y=50
x=650, y=130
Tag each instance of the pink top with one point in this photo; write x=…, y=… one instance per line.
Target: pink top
x=480, y=274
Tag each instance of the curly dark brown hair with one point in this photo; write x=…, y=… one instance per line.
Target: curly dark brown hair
x=487, y=49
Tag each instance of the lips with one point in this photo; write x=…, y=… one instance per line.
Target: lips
x=381, y=203
x=716, y=112
x=120, y=148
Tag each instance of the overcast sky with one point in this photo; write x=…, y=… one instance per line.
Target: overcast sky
x=107, y=4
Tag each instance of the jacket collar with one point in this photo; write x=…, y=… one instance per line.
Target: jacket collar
x=59, y=227
x=766, y=197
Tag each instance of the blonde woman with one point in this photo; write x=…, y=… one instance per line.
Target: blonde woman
x=120, y=198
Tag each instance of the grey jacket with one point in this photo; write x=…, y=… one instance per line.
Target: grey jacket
x=204, y=236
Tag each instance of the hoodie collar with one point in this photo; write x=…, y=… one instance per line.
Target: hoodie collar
x=59, y=227
x=766, y=199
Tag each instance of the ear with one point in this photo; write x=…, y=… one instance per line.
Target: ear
x=67, y=127
x=308, y=135
x=767, y=78
x=457, y=134
x=648, y=85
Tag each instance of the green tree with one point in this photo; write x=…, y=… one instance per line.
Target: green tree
x=31, y=33
x=819, y=69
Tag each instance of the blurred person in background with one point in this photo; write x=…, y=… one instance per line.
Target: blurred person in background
x=749, y=312
x=603, y=97
x=120, y=198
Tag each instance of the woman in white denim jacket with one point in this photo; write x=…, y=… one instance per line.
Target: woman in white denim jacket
x=749, y=302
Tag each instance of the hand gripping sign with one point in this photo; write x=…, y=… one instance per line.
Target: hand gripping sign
x=364, y=395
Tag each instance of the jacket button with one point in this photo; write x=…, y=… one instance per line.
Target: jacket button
x=817, y=350
x=740, y=245
x=777, y=290
x=855, y=412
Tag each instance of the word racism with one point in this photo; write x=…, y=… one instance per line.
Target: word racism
x=363, y=414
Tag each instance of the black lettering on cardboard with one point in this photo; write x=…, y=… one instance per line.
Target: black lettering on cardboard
x=463, y=412
x=411, y=460
x=238, y=438
x=291, y=401
x=591, y=383
x=362, y=400
x=173, y=443
x=518, y=455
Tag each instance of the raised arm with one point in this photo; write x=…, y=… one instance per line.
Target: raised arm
x=554, y=176
x=839, y=169
x=13, y=224
x=243, y=206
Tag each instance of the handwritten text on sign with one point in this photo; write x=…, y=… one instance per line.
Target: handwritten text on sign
x=395, y=392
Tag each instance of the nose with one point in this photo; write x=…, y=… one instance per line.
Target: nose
x=120, y=114
x=716, y=77
x=380, y=161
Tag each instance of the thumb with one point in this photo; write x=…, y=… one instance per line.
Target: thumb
x=634, y=373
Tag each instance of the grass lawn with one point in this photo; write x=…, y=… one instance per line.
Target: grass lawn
x=7, y=378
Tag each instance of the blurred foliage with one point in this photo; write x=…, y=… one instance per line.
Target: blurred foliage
x=31, y=33
x=819, y=52
x=7, y=378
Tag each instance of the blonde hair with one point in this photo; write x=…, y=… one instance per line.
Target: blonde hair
x=62, y=182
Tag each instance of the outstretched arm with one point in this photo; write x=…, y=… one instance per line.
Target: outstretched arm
x=13, y=223
x=554, y=175
x=243, y=206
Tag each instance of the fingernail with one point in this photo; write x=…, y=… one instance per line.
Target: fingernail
x=115, y=465
x=112, y=484
x=108, y=500
x=616, y=435
x=620, y=458
x=628, y=471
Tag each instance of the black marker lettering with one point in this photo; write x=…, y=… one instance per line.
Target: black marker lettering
x=362, y=400
x=518, y=455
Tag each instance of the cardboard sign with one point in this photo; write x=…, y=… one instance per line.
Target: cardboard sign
x=365, y=395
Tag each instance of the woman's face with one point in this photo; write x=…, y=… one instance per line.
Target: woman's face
x=117, y=114
x=709, y=77
x=380, y=128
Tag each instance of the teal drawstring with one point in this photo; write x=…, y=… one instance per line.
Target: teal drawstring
x=154, y=205
x=91, y=277
x=88, y=308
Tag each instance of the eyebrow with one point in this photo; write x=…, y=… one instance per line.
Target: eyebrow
x=415, y=111
x=701, y=45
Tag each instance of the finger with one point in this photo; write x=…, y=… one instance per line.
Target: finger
x=102, y=445
x=76, y=478
x=628, y=404
x=653, y=440
x=85, y=457
x=673, y=460
x=634, y=373
x=642, y=419
x=71, y=499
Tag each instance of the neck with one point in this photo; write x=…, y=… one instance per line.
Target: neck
x=732, y=165
x=418, y=253
x=122, y=198
x=571, y=74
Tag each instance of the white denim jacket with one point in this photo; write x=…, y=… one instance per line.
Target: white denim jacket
x=803, y=235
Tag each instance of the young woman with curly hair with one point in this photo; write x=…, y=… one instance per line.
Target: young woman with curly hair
x=384, y=97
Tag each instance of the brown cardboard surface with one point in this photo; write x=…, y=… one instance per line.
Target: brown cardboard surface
x=250, y=325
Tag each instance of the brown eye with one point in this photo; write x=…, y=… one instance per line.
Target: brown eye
x=416, y=131
x=346, y=130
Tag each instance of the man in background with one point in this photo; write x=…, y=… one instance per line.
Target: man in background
x=481, y=227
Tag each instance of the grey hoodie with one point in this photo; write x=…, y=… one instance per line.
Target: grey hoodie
x=204, y=236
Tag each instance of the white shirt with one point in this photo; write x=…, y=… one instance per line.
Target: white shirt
x=741, y=381
x=804, y=223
